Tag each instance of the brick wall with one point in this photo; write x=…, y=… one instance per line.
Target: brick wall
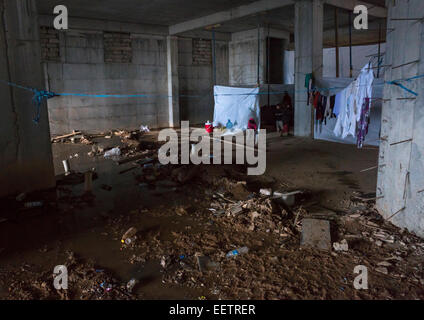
x=202, y=52
x=117, y=47
x=50, y=44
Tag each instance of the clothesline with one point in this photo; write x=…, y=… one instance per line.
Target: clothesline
x=41, y=95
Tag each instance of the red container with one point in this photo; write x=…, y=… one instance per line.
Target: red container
x=209, y=127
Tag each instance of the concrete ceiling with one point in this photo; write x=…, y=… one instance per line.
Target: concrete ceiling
x=171, y=12
x=160, y=12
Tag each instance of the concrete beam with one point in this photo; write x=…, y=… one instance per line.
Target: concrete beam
x=227, y=15
x=373, y=10
x=104, y=25
x=207, y=35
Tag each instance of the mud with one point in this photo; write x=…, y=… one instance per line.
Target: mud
x=218, y=210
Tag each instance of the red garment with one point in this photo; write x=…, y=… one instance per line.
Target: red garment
x=252, y=124
x=317, y=97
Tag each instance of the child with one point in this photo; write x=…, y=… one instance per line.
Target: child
x=279, y=116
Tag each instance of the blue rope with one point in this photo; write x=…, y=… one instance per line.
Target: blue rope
x=39, y=96
x=37, y=100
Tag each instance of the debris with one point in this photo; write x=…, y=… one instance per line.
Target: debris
x=382, y=270
x=129, y=236
x=131, y=284
x=206, y=264
x=35, y=204
x=266, y=192
x=289, y=199
x=73, y=134
x=115, y=152
x=144, y=129
x=236, y=210
x=185, y=174
x=384, y=264
x=67, y=167
x=237, y=252
x=341, y=246
x=316, y=233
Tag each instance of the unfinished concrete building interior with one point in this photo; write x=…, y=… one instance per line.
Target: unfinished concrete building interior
x=93, y=91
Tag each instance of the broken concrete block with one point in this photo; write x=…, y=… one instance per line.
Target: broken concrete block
x=316, y=234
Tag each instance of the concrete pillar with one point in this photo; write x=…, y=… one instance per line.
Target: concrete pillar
x=26, y=155
x=173, y=86
x=308, y=59
x=400, y=187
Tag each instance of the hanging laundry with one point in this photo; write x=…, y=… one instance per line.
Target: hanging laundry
x=363, y=123
x=350, y=102
x=308, y=85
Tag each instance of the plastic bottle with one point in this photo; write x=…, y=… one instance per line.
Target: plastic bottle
x=237, y=252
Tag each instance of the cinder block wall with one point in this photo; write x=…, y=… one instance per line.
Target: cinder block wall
x=196, y=77
x=105, y=62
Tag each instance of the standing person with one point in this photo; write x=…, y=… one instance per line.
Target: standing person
x=288, y=113
x=279, y=117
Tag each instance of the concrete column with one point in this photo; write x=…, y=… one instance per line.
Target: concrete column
x=400, y=187
x=308, y=59
x=26, y=155
x=173, y=85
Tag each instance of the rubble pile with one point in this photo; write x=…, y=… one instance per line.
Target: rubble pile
x=85, y=282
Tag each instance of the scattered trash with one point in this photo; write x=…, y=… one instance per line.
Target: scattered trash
x=144, y=129
x=107, y=287
x=266, y=192
x=289, y=199
x=35, y=204
x=316, y=234
x=341, y=246
x=237, y=252
x=67, y=167
x=129, y=236
x=115, y=152
x=131, y=284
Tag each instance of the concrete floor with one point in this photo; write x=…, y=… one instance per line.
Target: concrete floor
x=330, y=171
